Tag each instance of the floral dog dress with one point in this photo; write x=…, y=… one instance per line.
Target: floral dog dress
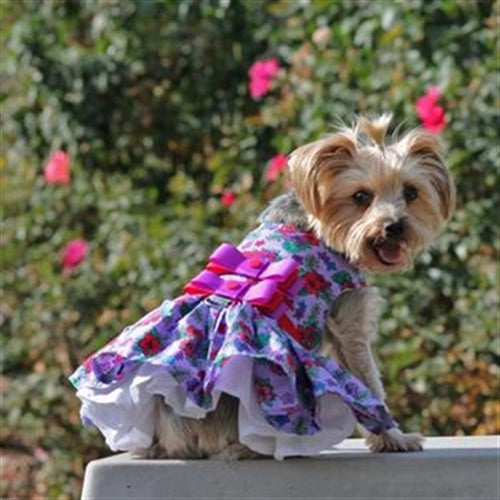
x=250, y=325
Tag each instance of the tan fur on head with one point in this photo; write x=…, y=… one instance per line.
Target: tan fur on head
x=375, y=129
x=377, y=203
x=428, y=150
x=313, y=166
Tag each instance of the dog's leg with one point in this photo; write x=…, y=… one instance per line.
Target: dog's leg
x=175, y=437
x=214, y=436
x=352, y=328
x=236, y=451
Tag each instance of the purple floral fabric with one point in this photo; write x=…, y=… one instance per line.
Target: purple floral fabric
x=193, y=338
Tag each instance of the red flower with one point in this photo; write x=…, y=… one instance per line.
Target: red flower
x=287, y=229
x=74, y=253
x=260, y=254
x=311, y=238
x=262, y=74
x=314, y=282
x=305, y=336
x=275, y=166
x=194, y=332
x=264, y=391
x=228, y=198
x=149, y=344
x=222, y=328
x=348, y=285
x=429, y=112
x=56, y=170
x=188, y=347
x=275, y=368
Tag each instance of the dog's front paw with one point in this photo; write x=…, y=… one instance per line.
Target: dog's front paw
x=155, y=451
x=394, y=441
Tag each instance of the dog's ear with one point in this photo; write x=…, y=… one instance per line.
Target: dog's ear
x=427, y=149
x=316, y=164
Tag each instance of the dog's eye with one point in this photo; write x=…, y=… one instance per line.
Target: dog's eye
x=362, y=198
x=410, y=193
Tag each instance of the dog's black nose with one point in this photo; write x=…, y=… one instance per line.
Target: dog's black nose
x=395, y=230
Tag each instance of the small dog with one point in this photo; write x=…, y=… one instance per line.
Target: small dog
x=378, y=204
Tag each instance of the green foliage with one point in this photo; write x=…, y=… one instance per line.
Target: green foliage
x=151, y=101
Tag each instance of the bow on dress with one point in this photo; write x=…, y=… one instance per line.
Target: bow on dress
x=269, y=286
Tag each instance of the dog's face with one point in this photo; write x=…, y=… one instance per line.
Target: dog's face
x=378, y=204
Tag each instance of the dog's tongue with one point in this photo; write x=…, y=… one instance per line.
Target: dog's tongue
x=389, y=252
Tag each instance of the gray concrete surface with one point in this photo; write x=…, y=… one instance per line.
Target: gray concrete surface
x=448, y=468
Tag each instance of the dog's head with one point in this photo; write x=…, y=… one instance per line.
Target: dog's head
x=377, y=203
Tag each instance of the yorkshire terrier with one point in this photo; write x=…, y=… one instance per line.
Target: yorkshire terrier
x=378, y=204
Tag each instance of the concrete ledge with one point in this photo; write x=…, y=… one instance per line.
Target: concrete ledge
x=448, y=468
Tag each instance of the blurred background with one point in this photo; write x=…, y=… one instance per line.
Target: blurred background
x=138, y=135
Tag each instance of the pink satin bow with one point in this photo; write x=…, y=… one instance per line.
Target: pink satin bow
x=255, y=280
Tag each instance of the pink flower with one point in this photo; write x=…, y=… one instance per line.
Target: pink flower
x=276, y=165
x=228, y=198
x=56, y=170
x=262, y=74
x=74, y=253
x=429, y=112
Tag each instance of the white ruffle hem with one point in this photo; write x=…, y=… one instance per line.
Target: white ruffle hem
x=124, y=413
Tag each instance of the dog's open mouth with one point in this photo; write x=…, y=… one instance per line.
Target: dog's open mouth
x=389, y=252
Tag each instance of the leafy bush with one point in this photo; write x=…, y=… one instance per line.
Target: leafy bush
x=151, y=101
